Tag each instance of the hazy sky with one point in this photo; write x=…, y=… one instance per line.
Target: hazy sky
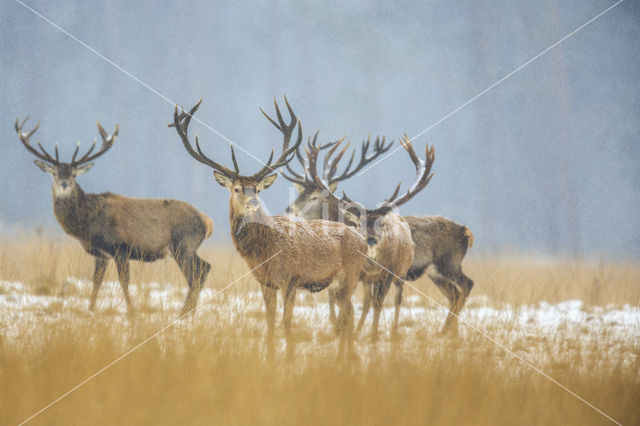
x=546, y=161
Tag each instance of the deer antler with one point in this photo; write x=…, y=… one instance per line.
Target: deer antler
x=379, y=148
x=286, y=130
x=181, y=123
x=107, y=143
x=305, y=179
x=312, y=155
x=330, y=165
x=24, y=138
x=423, y=176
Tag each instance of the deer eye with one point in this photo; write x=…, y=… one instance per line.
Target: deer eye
x=236, y=190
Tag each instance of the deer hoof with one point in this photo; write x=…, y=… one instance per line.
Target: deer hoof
x=450, y=332
x=395, y=336
x=131, y=313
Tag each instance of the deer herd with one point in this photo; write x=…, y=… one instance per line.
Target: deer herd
x=323, y=242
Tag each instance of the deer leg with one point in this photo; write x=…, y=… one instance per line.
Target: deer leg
x=452, y=294
x=187, y=267
x=380, y=290
x=332, y=306
x=201, y=272
x=396, y=314
x=451, y=323
x=462, y=286
x=345, y=320
x=98, y=275
x=122, y=265
x=270, y=296
x=289, y=293
x=195, y=271
x=366, y=306
x=464, y=282
x=289, y=297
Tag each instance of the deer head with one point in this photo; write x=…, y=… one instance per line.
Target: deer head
x=64, y=174
x=310, y=201
x=244, y=190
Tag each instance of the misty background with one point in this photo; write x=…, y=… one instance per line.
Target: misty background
x=547, y=162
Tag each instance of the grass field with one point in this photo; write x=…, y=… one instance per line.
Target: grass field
x=576, y=320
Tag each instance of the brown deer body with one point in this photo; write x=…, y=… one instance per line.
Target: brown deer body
x=282, y=253
x=112, y=226
x=439, y=242
x=442, y=243
x=311, y=254
x=391, y=259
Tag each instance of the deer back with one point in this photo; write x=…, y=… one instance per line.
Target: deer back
x=313, y=251
x=436, y=238
x=151, y=227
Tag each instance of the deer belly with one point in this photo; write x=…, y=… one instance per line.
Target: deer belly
x=130, y=251
x=315, y=287
x=416, y=271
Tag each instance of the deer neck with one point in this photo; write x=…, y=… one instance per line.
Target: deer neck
x=333, y=211
x=251, y=233
x=68, y=212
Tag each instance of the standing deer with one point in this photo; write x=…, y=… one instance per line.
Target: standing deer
x=112, y=226
x=439, y=242
x=283, y=253
x=390, y=246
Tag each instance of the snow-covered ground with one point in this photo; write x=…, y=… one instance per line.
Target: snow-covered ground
x=539, y=333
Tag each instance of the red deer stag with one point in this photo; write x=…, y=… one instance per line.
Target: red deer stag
x=112, y=226
x=283, y=253
x=439, y=242
x=390, y=246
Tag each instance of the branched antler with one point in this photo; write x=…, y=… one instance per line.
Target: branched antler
x=304, y=178
x=181, y=123
x=24, y=138
x=107, y=142
x=379, y=148
x=287, y=130
x=312, y=170
x=330, y=163
x=423, y=176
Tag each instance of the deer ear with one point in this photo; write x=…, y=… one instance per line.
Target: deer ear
x=222, y=179
x=350, y=218
x=45, y=167
x=333, y=186
x=299, y=188
x=80, y=170
x=266, y=182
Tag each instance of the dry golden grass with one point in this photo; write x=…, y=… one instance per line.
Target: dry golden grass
x=210, y=368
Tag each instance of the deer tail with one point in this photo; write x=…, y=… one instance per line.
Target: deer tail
x=208, y=223
x=467, y=235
